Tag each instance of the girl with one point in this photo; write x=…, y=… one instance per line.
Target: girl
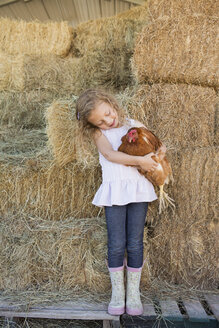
x=124, y=193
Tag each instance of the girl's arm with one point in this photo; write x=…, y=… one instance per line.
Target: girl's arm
x=105, y=148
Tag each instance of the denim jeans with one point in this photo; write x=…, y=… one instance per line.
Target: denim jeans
x=125, y=229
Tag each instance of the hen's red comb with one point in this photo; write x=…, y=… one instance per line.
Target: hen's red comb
x=132, y=131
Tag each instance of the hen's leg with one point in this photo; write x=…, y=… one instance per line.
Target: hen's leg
x=164, y=200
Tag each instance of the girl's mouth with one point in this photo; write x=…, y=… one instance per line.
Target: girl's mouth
x=113, y=123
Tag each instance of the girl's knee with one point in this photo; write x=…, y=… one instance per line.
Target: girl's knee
x=118, y=248
x=136, y=247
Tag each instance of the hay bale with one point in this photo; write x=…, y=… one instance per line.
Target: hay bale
x=178, y=50
x=185, y=253
x=27, y=72
x=175, y=8
x=39, y=187
x=181, y=247
x=64, y=76
x=181, y=115
x=16, y=148
x=183, y=244
x=31, y=183
x=11, y=72
x=35, y=38
x=70, y=254
x=38, y=254
x=116, y=32
x=24, y=109
x=195, y=189
x=65, y=139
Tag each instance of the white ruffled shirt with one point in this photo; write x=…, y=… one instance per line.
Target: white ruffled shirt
x=121, y=184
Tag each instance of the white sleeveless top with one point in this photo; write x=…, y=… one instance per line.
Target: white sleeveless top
x=121, y=184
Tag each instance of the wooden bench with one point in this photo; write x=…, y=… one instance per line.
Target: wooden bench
x=64, y=310
x=168, y=313
x=179, y=314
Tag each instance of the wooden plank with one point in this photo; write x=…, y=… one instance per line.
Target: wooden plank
x=115, y=324
x=170, y=310
x=149, y=311
x=62, y=310
x=111, y=324
x=106, y=324
x=195, y=311
x=213, y=302
x=60, y=314
x=68, y=305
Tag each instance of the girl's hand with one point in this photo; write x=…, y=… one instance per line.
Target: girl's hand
x=147, y=163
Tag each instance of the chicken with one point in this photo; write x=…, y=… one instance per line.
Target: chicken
x=140, y=142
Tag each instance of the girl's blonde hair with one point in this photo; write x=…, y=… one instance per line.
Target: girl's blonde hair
x=87, y=102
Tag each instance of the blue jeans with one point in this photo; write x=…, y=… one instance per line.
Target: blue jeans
x=125, y=229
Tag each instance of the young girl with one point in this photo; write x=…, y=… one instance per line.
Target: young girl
x=124, y=193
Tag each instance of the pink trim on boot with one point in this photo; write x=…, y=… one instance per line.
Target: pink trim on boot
x=134, y=311
x=116, y=311
x=116, y=269
x=134, y=269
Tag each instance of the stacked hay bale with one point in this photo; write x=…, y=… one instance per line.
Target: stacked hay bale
x=178, y=50
x=175, y=67
x=53, y=60
x=52, y=237
x=160, y=8
x=41, y=63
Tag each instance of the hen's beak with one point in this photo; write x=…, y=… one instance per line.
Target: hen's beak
x=129, y=139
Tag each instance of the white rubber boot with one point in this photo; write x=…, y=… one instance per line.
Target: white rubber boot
x=133, y=301
x=117, y=303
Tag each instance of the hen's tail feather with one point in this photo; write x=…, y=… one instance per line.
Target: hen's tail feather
x=164, y=200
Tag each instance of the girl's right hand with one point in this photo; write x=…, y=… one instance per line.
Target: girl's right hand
x=147, y=163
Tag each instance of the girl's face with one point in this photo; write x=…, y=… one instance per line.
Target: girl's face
x=104, y=116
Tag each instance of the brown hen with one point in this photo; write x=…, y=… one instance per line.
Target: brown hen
x=140, y=142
